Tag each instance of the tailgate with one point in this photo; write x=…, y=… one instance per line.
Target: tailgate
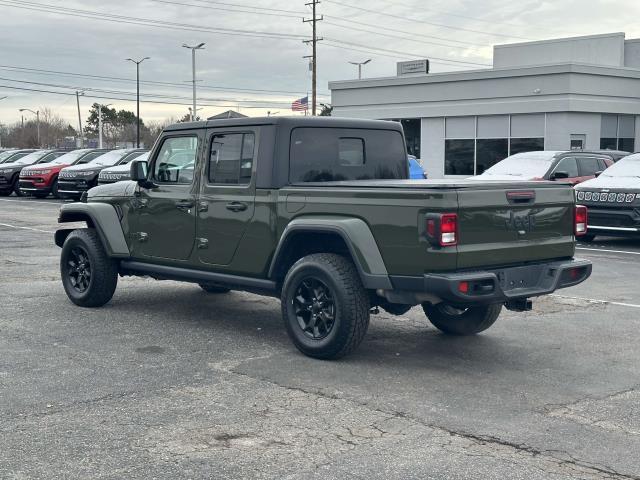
x=500, y=226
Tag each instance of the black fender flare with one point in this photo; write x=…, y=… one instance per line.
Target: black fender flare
x=356, y=235
x=101, y=216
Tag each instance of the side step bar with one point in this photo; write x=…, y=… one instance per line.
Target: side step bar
x=165, y=272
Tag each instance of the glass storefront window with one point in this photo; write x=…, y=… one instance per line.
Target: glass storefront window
x=459, y=157
x=490, y=151
x=519, y=145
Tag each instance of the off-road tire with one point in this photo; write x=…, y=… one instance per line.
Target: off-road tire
x=212, y=288
x=468, y=322
x=349, y=300
x=103, y=270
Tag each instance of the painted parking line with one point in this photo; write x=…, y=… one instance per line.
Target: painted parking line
x=593, y=300
x=607, y=250
x=24, y=202
x=26, y=228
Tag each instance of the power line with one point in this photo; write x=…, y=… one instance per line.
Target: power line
x=39, y=71
x=104, y=97
x=250, y=6
x=120, y=92
x=144, y=21
x=225, y=9
x=448, y=60
x=422, y=22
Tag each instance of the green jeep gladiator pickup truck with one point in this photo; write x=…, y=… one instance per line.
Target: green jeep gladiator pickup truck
x=319, y=212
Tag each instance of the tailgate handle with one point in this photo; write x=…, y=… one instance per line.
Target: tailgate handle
x=521, y=196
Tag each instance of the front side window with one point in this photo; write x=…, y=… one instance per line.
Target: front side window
x=568, y=165
x=231, y=158
x=176, y=160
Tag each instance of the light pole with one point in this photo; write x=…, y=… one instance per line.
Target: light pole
x=359, y=65
x=193, y=66
x=138, y=62
x=37, y=114
x=100, y=124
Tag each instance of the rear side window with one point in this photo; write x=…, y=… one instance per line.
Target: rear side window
x=337, y=154
x=231, y=158
x=589, y=166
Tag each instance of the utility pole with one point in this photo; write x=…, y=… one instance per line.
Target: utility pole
x=78, y=93
x=314, y=51
x=138, y=62
x=193, y=68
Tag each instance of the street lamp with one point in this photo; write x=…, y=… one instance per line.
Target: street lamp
x=138, y=62
x=37, y=114
x=100, y=123
x=193, y=66
x=359, y=65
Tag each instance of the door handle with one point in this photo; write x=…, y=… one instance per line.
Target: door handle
x=184, y=204
x=236, y=206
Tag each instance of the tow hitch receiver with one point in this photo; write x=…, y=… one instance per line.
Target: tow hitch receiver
x=519, y=305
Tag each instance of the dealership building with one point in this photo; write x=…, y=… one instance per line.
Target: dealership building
x=581, y=92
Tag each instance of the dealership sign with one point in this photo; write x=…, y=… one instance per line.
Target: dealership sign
x=413, y=66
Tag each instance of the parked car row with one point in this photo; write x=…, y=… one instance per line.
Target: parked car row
x=61, y=173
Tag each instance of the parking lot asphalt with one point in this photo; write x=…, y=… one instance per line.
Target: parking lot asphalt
x=167, y=381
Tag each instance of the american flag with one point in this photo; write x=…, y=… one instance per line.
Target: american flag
x=300, y=105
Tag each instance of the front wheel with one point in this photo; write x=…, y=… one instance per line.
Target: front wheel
x=16, y=188
x=54, y=189
x=89, y=276
x=462, y=321
x=324, y=306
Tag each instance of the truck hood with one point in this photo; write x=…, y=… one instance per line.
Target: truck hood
x=119, y=189
x=609, y=182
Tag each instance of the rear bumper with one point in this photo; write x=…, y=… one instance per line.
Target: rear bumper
x=494, y=285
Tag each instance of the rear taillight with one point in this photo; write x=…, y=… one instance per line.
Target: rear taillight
x=442, y=229
x=580, y=220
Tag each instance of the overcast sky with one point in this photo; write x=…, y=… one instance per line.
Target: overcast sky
x=93, y=37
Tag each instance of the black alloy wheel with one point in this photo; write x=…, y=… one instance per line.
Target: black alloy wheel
x=315, y=308
x=79, y=269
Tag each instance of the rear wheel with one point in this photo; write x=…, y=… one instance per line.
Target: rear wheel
x=324, y=306
x=462, y=321
x=213, y=288
x=89, y=276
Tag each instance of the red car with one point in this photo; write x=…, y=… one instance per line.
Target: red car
x=571, y=167
x=41, y=180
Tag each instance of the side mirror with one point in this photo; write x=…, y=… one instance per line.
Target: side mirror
x=559, y=175
x=139, y=170
x=597, y=174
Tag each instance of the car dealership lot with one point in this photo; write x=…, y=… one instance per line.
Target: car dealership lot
x=169, y=381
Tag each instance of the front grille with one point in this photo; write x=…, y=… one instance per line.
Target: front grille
x=623, y=218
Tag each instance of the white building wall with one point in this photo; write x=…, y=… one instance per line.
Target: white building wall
x=637, y=143
x=632, y=53
x=605, y=50
x=432, y=146
x=560, y=126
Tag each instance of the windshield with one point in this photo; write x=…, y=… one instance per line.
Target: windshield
x=527, y=165
x=625, y=167
x=109, y=158
x=32, y=157
x=6, y=154
x=68, y=158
